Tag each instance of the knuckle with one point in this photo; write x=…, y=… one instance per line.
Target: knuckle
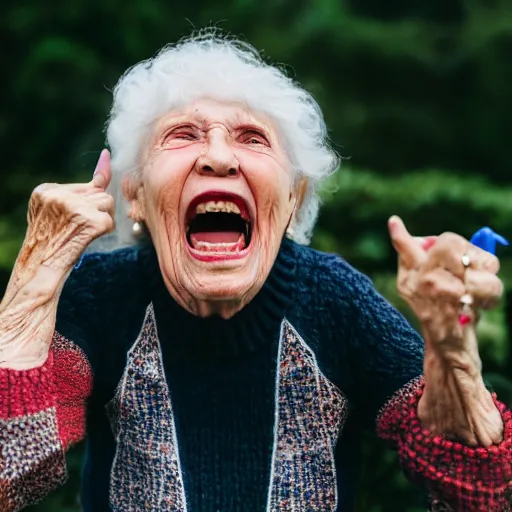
x=491, y=263
x=472, y=279
x=433, y=284
x=428, y=286
x=497, y=288
x=109, y=225
x=449, y=242
x=490, y=288
x=428, y=281
x=451, y=238
x=110, y=201
x=105, y=223
x=41, y=191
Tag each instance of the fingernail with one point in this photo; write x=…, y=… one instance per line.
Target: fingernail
x=464, y=319
x=429, y=243
x=101, y=161
x=392, y=223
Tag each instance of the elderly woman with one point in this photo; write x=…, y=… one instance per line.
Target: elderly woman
x=219, y=364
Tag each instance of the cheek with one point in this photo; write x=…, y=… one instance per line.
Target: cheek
x=270, y=181
x=164, y=179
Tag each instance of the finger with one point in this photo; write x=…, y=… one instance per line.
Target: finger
x=103, y=202
x=483, y=260
x=440, y=285
x=102, y=174
x=447, y=254
x=485, y=288
x=104, y=222
x=409, y=251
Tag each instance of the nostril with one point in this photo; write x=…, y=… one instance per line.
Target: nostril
x=208, y=169
x=232, y=171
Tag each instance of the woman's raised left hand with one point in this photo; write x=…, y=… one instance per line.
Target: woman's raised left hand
x=434, y=274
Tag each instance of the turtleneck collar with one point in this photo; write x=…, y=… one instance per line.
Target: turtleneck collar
x=256, y=324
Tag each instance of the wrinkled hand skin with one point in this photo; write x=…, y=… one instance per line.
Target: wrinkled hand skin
x=432, y=279
x=62, y=221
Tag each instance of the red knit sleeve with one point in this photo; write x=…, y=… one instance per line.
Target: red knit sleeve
x=42, y=412
x=459, y=478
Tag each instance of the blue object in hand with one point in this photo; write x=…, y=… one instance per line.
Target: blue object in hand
x=486, y=239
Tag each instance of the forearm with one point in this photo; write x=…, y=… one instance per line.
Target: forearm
x=44, y=383
x=455, y=403
x=29, y=306
x=27, y=320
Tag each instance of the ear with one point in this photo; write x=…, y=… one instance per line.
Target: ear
x=133, y=192
x=296, y=199
x=302, y=188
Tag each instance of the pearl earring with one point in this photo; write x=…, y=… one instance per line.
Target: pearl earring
x=137, y=228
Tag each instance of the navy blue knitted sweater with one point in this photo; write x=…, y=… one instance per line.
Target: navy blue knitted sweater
x=247, y=432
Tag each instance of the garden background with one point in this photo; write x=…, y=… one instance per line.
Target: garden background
x=417, y=95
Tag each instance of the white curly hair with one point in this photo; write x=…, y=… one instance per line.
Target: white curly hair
x=207, y=64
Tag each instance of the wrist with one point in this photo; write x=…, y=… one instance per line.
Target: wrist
x=456, y=404
x=453, y=351
x=34, y=285
x=27, y=320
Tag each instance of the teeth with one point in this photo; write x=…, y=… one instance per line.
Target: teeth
x=221, y=248
x=217, y=206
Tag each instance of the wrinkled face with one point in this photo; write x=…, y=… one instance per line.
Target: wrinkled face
x=216, y=194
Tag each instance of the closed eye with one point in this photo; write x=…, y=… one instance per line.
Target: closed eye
x=253, y=137
x=184, y=135
x=180, y=134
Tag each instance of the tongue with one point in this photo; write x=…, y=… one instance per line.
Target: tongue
x=217, y=237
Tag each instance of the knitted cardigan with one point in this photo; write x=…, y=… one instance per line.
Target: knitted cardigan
x=262, y=412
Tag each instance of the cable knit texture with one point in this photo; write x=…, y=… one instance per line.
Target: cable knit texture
x=222, y=375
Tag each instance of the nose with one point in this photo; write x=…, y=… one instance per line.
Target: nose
x=218, y=158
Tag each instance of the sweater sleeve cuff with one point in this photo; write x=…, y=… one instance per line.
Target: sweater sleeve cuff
x=24, y=392
x=457, y=476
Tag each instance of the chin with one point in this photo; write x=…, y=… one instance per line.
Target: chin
x=223, y=263
x=221, y=294
x=226, y=287
x=225, y=277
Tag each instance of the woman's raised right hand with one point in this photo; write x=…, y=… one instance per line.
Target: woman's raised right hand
x=64, y=219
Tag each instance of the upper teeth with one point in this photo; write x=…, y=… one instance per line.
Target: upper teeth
x=217, y=206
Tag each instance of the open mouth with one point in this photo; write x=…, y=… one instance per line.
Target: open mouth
x=218, y=223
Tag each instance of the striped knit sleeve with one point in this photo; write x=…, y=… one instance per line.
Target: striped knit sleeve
x=42, y=413
x=459, y=478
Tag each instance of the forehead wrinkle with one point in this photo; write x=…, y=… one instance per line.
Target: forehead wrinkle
x=234, y=120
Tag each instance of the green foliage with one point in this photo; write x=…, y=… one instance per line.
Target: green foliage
x=416, y=93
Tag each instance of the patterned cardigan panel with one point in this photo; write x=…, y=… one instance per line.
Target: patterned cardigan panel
x=309, y=415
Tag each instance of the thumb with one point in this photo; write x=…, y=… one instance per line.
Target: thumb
x=407, y=247
x=102, y=174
